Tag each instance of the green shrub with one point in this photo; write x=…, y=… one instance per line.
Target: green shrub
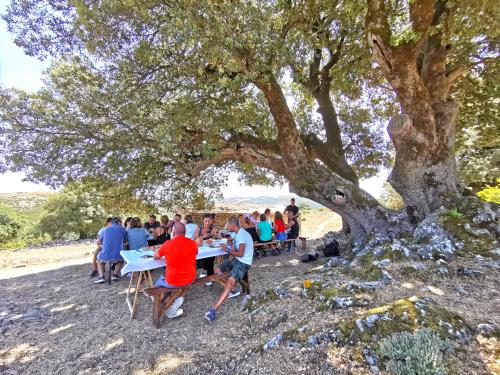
x=491, y=193
x=420, y=353
x=72, y=214
x=10, y=224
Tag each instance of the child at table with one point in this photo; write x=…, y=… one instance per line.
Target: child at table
x=279, y=226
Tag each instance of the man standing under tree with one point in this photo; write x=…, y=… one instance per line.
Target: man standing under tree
x=242, y=249
x=292, y=208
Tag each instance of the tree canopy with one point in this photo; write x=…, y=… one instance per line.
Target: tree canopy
x=165, y=98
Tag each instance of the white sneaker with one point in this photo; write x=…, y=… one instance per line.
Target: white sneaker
x=176, y=314
x=172, y=310
x=202, y=275
x=209, y=283
x=234, y=293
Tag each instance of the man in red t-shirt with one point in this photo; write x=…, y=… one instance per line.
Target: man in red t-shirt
x=180, y=258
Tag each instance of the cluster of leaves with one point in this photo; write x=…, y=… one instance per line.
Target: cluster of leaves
x=419, y=353
x=18, y=227
x=491, y=193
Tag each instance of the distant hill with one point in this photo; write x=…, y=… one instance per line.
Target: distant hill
x=25, y=201
x=272, y=202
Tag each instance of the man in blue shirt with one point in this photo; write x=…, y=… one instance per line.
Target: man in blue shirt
x=113, y=240
x=242, y=249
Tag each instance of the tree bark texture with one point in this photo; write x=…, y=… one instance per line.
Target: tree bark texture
x=425, y=172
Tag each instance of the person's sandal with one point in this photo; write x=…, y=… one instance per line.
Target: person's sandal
x=93, y=274
x=115, y=277
x=100, y=280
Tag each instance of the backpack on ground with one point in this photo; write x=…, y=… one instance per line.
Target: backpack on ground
x=306, y=258
x=331, y=249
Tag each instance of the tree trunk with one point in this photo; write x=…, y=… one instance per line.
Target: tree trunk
x=361, y=212
x=424, y=174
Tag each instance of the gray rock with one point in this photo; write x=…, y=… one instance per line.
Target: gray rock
x=302, y=329
x=486, y=329
x=468, y=272
x=382, y=263
x=274, y=342
x=282, y=293
x=342, y=302
x=312, y=340
x=460, y=290
x=386, y=277
x=360, y=325
x=367, y=285
x=336, y=262
x=419, y=266
x=371, y=360
x=371, y=319
x=434, y=241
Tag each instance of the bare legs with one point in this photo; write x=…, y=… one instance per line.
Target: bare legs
x=227, y=289
x=100, y=268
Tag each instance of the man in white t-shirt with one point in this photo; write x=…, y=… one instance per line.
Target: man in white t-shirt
x=242, y=249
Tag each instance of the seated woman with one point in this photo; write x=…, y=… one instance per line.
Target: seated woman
x=191, y=228
x=161, y=235
x=204, y=232
x=279, y=226
x=264, y=230
x=136, y=234
x=249, y=226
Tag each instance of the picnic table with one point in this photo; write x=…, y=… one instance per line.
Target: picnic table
x=140, y=263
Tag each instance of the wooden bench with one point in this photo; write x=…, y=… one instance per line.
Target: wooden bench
x=164, y=297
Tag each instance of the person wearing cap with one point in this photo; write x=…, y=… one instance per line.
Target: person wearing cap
x=113, y=240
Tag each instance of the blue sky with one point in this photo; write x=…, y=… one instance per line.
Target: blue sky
x=25, y=72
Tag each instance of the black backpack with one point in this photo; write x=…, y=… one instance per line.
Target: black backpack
x=331, y=249
x=306, y=258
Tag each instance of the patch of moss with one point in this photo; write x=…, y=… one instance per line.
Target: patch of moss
x=472, y=244
x=365, y=270
x=393, y=255
x=293, y=334
x=336, y=292
x=404, y=315
x=266, y=296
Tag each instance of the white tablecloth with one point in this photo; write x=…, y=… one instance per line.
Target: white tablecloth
x=135, y=263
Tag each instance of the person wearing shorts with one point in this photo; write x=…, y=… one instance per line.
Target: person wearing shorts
x=180, y=261
x=242, y=249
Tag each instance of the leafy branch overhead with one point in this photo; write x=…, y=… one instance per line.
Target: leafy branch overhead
x=166, y=99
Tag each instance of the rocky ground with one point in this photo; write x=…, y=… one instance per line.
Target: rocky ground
x=330, y=316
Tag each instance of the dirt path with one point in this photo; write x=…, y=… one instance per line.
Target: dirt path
x=29, y=261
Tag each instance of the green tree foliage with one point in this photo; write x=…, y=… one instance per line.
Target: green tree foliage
x=71, y=214
x=145, y=95
x=165, y=98
x=478, y=142
x=10, y=225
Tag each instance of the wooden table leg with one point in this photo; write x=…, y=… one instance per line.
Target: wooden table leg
x=151, y=284
x=136, y=295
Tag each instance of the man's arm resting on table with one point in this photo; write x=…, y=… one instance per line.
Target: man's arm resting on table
x=156, y=254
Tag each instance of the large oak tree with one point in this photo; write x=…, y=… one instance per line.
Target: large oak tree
x=163, y=97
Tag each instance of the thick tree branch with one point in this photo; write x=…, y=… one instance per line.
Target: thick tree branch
x=329, y=157
x=242, y=154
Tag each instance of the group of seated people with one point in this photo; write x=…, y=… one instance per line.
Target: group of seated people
x=179, y=240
